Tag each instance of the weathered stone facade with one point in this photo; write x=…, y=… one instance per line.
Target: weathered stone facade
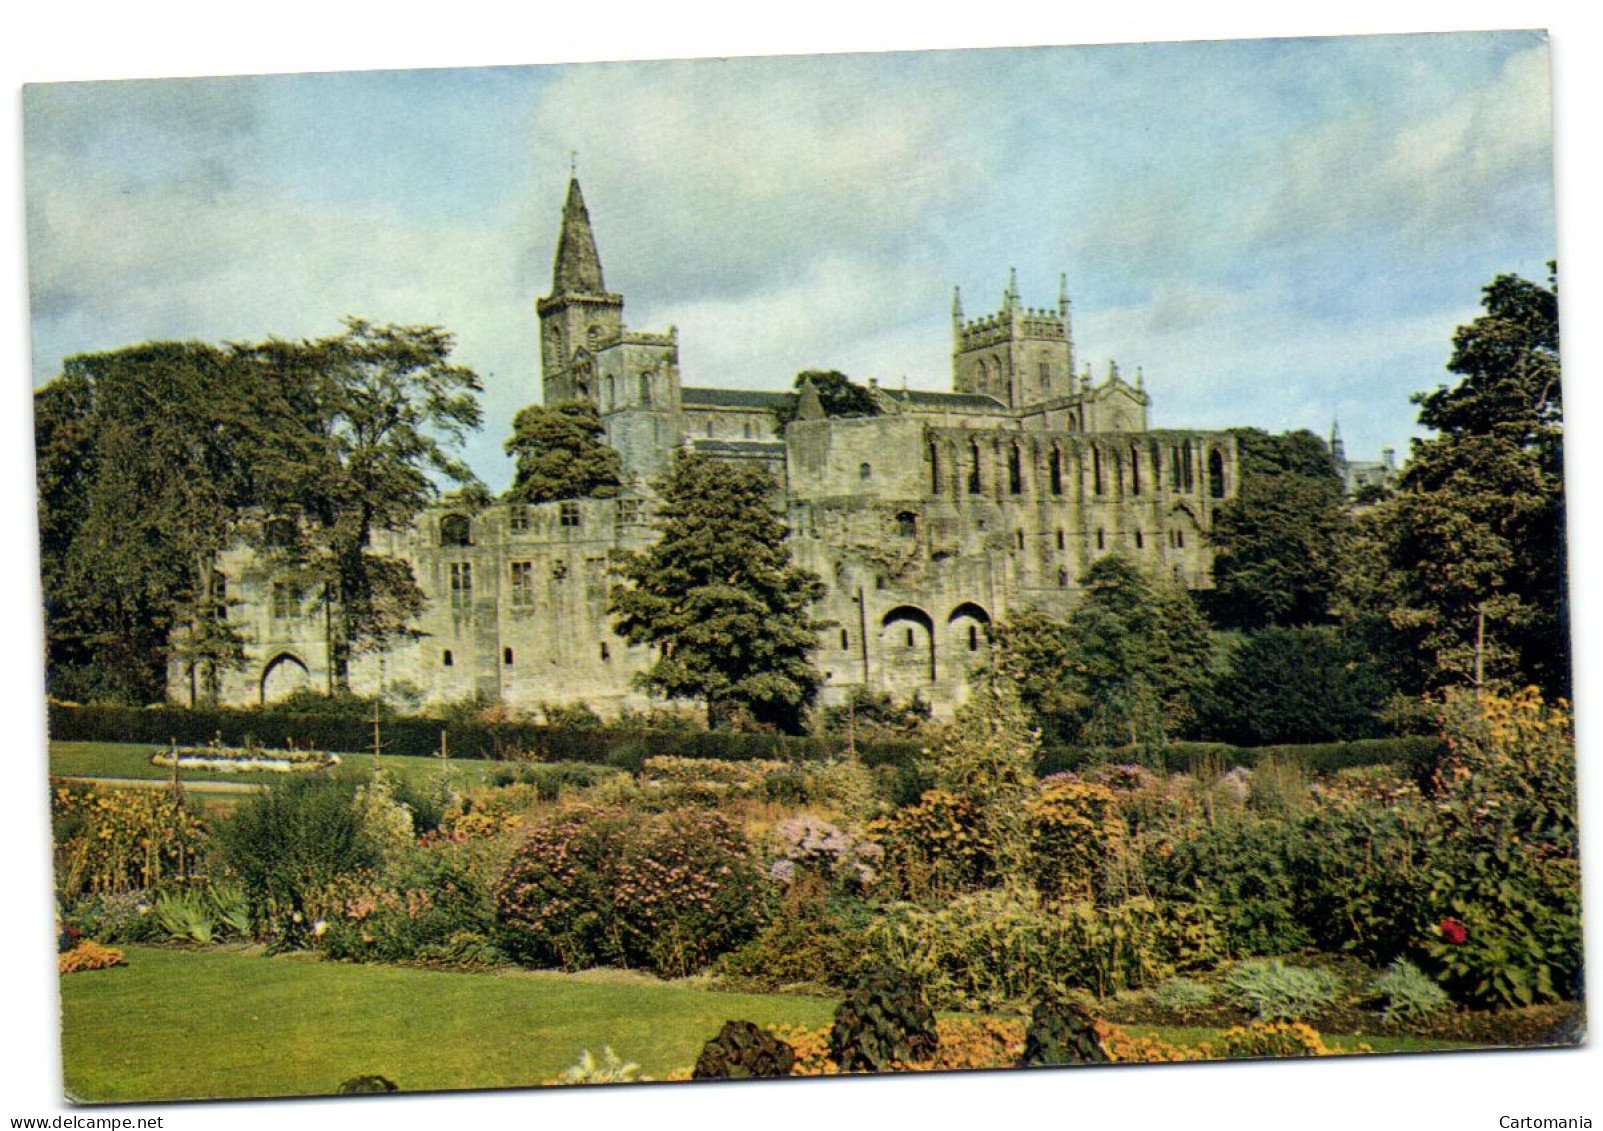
x=927, y=522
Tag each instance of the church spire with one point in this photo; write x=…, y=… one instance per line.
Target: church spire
x=578, y=265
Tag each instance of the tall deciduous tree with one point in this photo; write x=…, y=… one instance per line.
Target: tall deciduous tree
x=720, y=598
x=366, y=424
x=1279, y=540
x=1141, y=654
x=560, y=454
x=1126, y=666
x=1474, y=535
x=144, y=474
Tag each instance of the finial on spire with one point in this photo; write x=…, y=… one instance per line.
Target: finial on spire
x=573, y=163
x=1063, y=295
x=1140, y=378
x=957, y=307
x=1113, y=370
x=1010, y=297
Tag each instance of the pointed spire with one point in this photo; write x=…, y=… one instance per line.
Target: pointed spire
x=578, y=265
x=957, y=308
x=1063, y=296
x=808, y=406
x=1113, y=370
x=1140, y=379
x=1010, y=297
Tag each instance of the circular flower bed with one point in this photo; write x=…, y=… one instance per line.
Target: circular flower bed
x=237, y=760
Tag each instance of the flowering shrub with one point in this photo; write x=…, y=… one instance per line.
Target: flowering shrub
x=89, y=955
x=1504, y=871
x=809, y=844
x=429, y=907
x=120, y=840
x=936, y=848
x=1073, y=828
x=590, y=885
x=713, y=775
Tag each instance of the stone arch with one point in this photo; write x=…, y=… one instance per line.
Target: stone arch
x=456, y=530
x=283, y=674
x=968, y=629
x=907, y=646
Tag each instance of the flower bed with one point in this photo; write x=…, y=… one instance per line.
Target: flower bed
x=237, y=760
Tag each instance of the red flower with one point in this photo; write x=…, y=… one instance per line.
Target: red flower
x=1453, y=932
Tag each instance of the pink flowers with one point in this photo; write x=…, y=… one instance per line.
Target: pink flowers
x=1453, y=932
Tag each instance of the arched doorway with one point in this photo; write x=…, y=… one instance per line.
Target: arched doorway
x=284, y=674
x=907, y=648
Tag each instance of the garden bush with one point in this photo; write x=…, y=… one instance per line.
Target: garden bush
x=428, y=906
x=1061, y=1032
x=883, y=1023
x=122, y=840
x=996, y=950
x=934, y=849
x=202, y=913
x=814, y=939
x=1073, y=827
x=742, y=1051
x=89, y=955
x=1272, y=991
x=1269, y=1039
x=291, y=843
x=592, y=885
x=1410, y=995
x=1505, y=874
x=1183, y=996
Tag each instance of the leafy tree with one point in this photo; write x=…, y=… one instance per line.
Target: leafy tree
x=1278, y=541
x=1141, y=654
x=720, y=598
x=838, y=395
x=560, y=455
x=1036, y=652
x=365, y=423
x=144, y=476
x=1473, y=538
x=1311, y=684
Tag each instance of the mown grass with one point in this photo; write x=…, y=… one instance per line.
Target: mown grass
x=215, y=1024
x=224, y=1023
x=132, y=760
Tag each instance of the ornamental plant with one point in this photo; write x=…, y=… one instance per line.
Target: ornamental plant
x=1273, y=991
x=89, y=955
x=592, y=885
x=1073, y=828
x=122, y=840
x=883, y=1024
x=935, y=849
x=1504, y=889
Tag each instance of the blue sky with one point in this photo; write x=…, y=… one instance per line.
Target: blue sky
x=1276, y=231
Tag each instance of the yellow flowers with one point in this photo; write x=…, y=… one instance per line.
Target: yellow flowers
x=89, y=955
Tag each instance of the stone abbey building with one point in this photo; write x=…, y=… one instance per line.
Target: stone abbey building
x=927, y=522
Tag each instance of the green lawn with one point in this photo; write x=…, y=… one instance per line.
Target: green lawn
x=220, y=1023
x=132, y=760
x=174, y=1025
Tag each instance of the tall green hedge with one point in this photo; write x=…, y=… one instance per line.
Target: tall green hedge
x=629, y=748
x=421, y=736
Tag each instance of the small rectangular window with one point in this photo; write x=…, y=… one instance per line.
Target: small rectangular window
x=286, y=600
x=628, y=511
x=506, y=656
x=461, y=585
x=446, y=659
x=522, y=585
x=518, y=517
x=570, y=514
x=606, y=652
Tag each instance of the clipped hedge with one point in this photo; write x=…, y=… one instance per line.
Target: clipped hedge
x=420, y=736
x=1418, y=753
x=628, y=749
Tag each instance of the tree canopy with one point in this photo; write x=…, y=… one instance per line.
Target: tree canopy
x=1278, y=542
x=1125, y=667
x=838, y=395
x=560, y=455
x=1473, y=537
x=720, y=598
x=154, y=459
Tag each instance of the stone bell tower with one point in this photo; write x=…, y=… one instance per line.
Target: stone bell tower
x=1019, y=355
x=580, y=315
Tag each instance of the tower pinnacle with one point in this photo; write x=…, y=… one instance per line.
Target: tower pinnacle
x=578, y=265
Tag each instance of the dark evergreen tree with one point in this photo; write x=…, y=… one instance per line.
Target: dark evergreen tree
x=1278, y=542
x=720, y=599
